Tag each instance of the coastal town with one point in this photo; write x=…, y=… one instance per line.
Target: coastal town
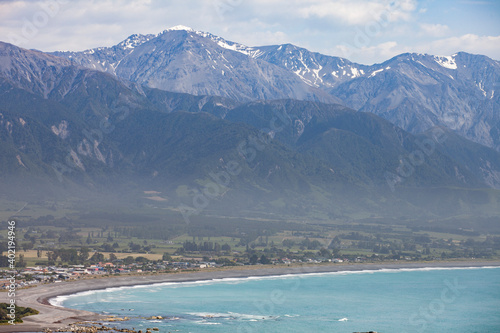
x=38, y=264
x=50, y=255
x=31, y=276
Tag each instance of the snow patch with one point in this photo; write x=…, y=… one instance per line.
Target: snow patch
x=355, y=72
x=481, y=87
x=446, y=61
x=316, y=73
x=376, y=72
x=180, y=27
x=232, y=46
x=418, y=61
x=298, y=73
x=249, y=51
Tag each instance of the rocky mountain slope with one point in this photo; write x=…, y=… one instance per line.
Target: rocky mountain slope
x=417, y=92
x=414, y=91
x=69, y=129
x=183, y=60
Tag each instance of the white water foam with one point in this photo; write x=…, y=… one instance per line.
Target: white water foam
x=59, y=300
x=232, y=316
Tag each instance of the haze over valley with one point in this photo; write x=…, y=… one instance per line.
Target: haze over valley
x=269, y=140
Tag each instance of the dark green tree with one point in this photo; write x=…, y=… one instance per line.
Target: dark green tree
x=254, y=259
x=264, y=260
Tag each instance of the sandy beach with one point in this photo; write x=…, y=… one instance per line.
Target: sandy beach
x=57, y=317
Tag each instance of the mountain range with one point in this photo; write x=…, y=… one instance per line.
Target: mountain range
x=210, y=124
x=413, y=91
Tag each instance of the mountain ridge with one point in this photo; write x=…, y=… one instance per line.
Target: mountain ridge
x=414, y=91
x=185, y=61
x=70, y=128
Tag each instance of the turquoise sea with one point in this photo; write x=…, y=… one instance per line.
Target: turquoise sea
x=406, y=300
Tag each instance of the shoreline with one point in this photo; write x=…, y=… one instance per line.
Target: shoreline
x=55, y=317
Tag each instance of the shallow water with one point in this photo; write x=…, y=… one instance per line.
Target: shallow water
x=405, y=300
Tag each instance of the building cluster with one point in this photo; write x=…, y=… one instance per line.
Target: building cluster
x=30, y=276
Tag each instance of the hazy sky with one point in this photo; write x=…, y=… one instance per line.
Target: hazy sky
x=365, y=31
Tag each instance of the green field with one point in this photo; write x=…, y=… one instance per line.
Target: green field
x=145, y=231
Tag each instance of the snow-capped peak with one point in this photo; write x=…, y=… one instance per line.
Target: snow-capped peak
x=249, y=51
x=180, y=27
x=135, y=40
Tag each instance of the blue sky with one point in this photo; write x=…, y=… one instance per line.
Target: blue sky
x=364, y=31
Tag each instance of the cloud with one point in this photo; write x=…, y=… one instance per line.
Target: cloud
x=265, y=36
x=470, y=43
x=370, y=54
x=365, y=31
x=83, y=24
x=489, y=45
x=476, y=2
x=434, y=30
x=357, y=12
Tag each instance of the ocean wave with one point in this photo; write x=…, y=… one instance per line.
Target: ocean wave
x=59, y=300
x=206, y=323
x=232, y=315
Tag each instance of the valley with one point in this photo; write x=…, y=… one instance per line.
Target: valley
x=88, y=152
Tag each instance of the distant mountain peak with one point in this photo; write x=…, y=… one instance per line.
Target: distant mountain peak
x=181, y=59
x=134, y=40
x=180, y=27
x=413, y=90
